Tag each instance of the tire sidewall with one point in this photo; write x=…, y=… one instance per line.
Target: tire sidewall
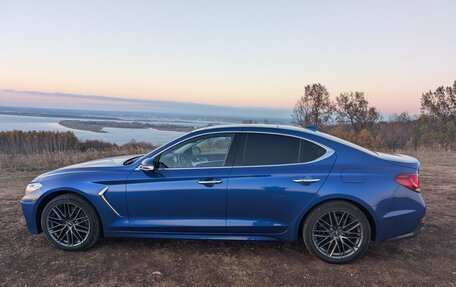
x=332, y=206
x=94, y=231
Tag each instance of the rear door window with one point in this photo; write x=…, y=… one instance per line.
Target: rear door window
x=257, y=149
x=268, y=149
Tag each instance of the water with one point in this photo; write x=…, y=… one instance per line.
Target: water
x=113, y=135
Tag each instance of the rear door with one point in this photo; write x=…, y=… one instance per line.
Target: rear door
x=273, y=178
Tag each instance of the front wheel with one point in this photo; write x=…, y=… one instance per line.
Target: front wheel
x=337, y=232
x=70, y=223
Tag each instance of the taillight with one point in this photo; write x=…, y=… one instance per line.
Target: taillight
x=410, y=181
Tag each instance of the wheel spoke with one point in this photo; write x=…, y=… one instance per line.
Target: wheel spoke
x=342, y=219
x=58, y=213
x=334, y=248
x=78, y=229
x=82, y=227
x=65, y=211
x=322, y=236
x=62, y=234
x=353, y=227
x=55, y=218
x=349, y=224
x=68, y=236
x=321, y=245
x=345, y=244
x=325, y=224
x=78, y=236
x=58, y=230
x=72, y=212
x=55, y=222
x=79, y=221
x=330, y=220
x=322, y=231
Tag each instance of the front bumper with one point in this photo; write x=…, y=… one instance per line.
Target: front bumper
x=29, y=211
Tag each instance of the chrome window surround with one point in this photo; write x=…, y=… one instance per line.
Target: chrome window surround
x=329, y=151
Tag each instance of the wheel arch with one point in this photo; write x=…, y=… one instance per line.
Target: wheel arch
x=362, y=206
x=55, y=194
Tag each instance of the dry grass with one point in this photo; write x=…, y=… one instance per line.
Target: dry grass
x=428, y=260
x=49, y=161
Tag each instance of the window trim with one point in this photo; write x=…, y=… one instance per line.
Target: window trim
x=329, y=151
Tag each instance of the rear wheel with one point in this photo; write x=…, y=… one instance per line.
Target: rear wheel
x=336, y=232
x=70, y=223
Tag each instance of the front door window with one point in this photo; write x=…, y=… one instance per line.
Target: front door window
x=207, y=151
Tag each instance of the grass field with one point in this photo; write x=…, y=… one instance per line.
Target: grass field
x=428, y=260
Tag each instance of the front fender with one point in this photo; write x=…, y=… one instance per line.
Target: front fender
x=112, y=209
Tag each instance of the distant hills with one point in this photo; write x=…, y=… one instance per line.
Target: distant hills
x=44, y=100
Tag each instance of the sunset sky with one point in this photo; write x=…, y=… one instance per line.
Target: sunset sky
x=230, y=53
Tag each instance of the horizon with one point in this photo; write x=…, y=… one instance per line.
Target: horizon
x=65, y=101
x=254, y=55
x=104, y=104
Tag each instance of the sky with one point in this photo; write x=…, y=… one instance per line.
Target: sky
x=229, y=53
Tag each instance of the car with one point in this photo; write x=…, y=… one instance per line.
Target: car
x=235, y=182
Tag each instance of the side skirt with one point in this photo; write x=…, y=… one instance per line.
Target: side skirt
x=193, y=236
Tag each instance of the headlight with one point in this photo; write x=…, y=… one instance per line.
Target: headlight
x=31, y=187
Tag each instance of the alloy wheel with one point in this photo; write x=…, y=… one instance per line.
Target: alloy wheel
x=68, y=224
x=337, y=234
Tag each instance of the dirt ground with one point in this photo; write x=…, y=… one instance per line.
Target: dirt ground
x=429, y=259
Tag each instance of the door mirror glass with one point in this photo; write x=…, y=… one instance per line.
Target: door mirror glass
x=147, y=165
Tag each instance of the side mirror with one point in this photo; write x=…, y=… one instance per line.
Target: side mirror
x=147, y=165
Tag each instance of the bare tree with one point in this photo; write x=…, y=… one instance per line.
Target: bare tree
x=438, y=116
x=440, y=104
x=398, y=131
x=314, y=107
x=354, y=108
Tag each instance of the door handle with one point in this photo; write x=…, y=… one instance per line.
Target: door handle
x=306, y=180
x=210, y=182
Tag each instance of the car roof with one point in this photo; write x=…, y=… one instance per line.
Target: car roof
x=321, y=138
x=256, y=127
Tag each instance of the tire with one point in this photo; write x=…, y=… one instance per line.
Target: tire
x=70, y=223
x=336, y=232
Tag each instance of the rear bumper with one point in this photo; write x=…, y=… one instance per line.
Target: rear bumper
x=412, y=234
x=402, y=216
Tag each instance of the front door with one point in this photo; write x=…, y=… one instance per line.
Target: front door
x=187, y=190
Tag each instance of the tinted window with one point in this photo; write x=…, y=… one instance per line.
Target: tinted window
x=266, y=149
x=206, y=151
x=310, y=151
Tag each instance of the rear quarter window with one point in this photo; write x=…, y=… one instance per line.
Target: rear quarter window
x=310, y=151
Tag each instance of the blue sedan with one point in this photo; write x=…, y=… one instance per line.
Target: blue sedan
x=242, y=182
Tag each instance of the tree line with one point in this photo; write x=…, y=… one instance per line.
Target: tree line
x=45, y=142
x=351, y=117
